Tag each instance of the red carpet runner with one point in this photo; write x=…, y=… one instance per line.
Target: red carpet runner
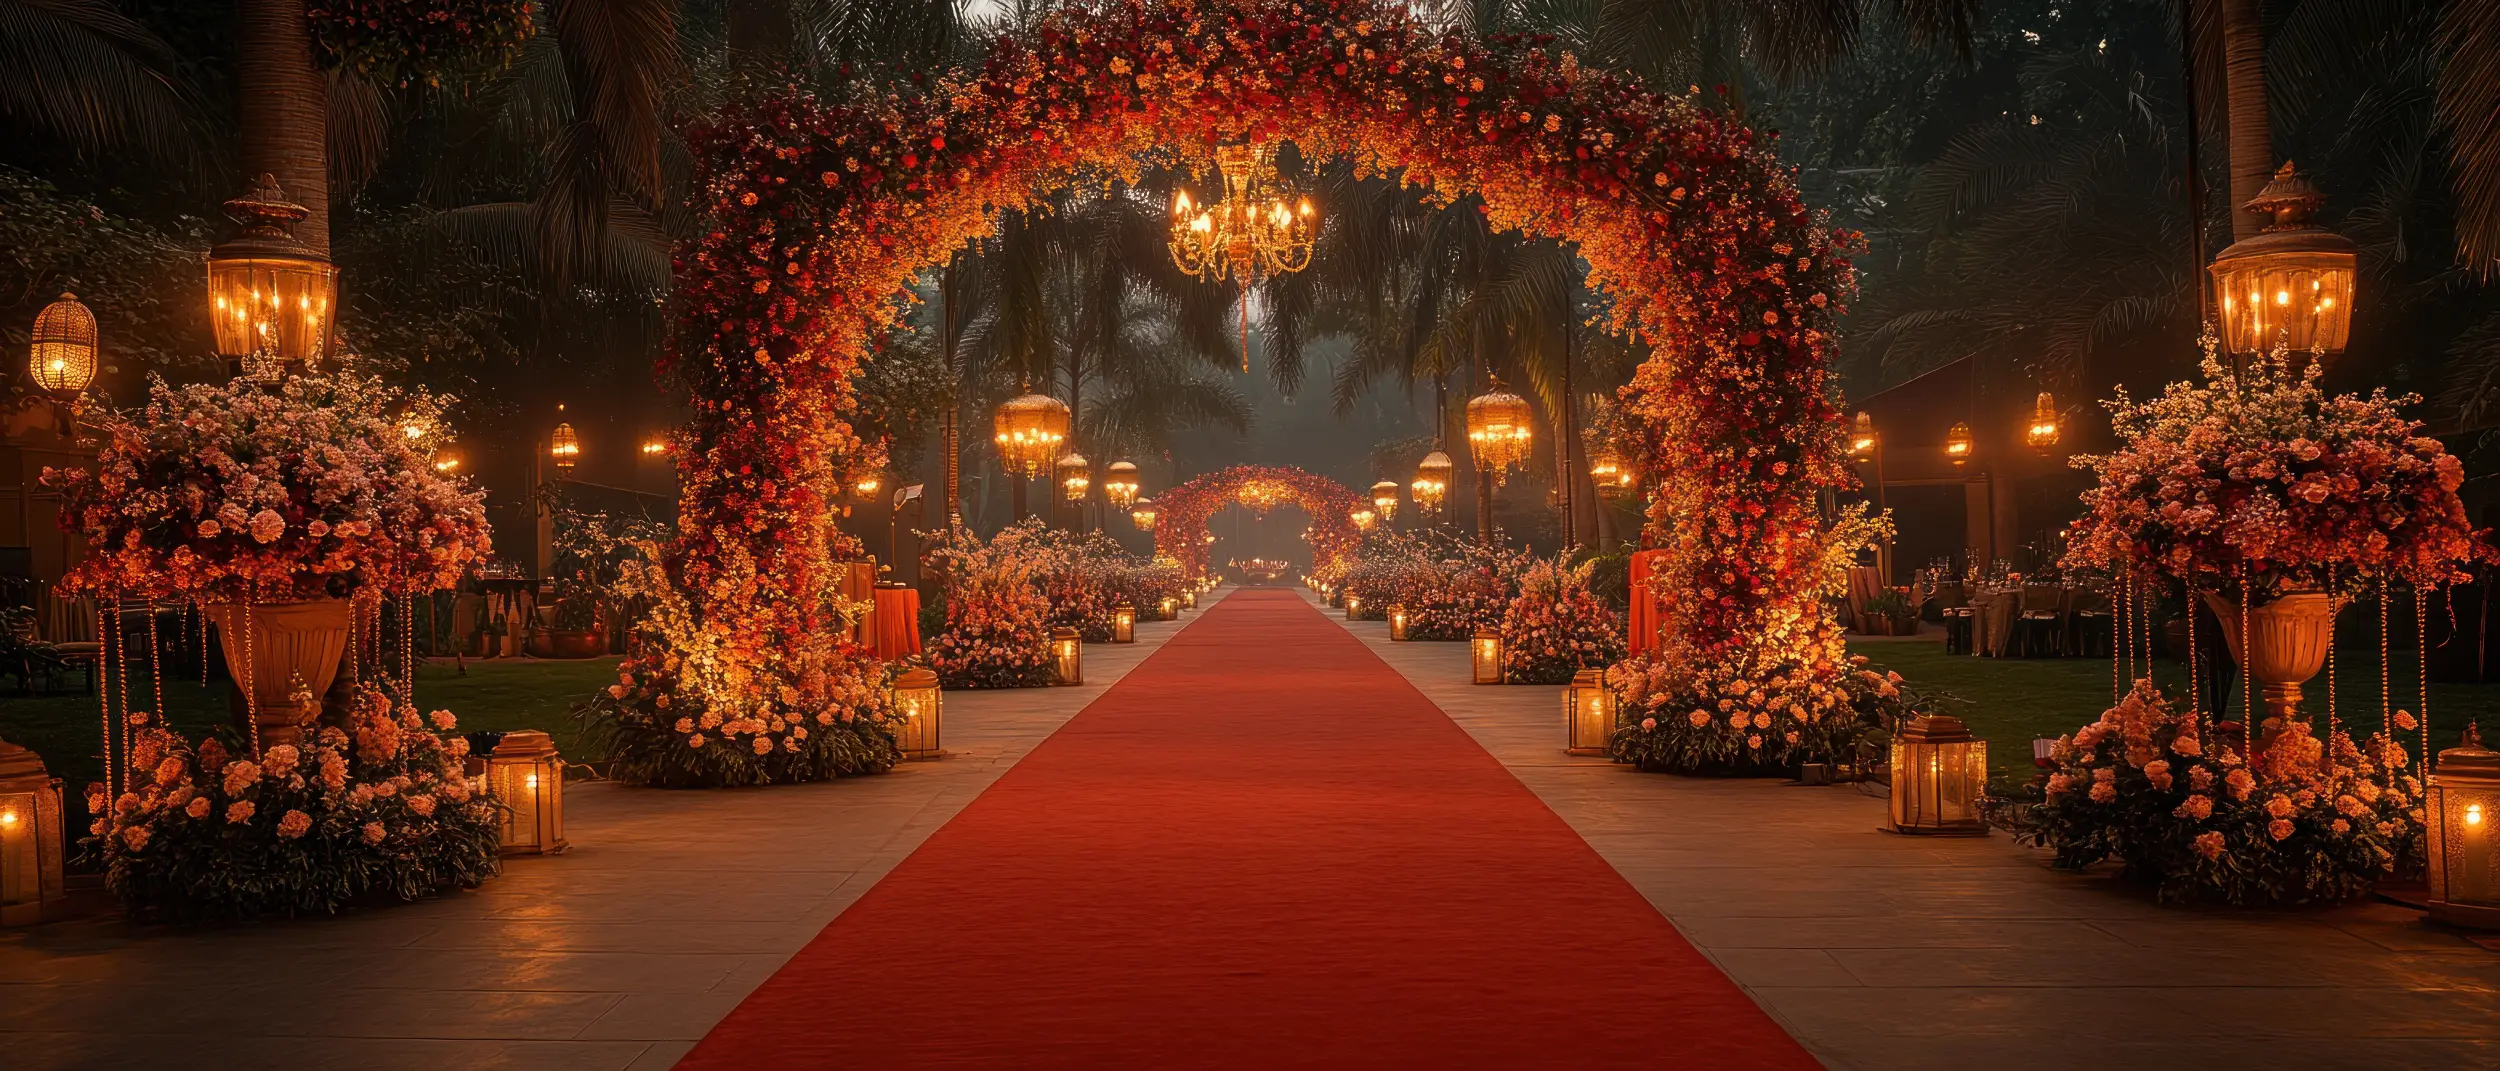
x=1262, y=848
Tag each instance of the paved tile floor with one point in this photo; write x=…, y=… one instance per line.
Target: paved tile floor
x=669, y=909
x=1879, y=951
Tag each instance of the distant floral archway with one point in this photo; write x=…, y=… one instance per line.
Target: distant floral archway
x=1181, y=514
x=820, y=213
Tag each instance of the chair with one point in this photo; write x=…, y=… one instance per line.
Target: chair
x=2089, y=630
x=1953, y=606
x=2039, y=630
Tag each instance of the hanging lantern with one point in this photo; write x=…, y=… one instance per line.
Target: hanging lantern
x=30, y=837
x=1363, y=518
x=1124, y=624
x=1067, y=656
x=447, y=463
x=1957, y=444
x=921, y=703
x=1939, y=773
x=2464, y=819
x=1607, y=470
x=1588, y=714
x=1397, y=623
x=526, y=776
x=1862, y=436
x=1119, y=484
x=564, y=447
x=1030, y=429
x=866, y=487
x=1432, y=482
x=1497, y=431
x=2290, y=283
x=2044, y=431
x=270, y=295
x=1485, y=655
x=1385, y=499
x=62, y=354
x=1076, y=476
x=1142, y=515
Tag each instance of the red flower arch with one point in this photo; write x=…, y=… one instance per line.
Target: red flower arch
x=1181, y=513
x=820, y=213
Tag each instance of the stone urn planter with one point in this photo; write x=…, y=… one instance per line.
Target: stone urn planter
x=2287, y=644
x=295, y=650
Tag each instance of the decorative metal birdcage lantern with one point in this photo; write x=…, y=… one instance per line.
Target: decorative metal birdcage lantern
x=62, y=348
x=271, y=297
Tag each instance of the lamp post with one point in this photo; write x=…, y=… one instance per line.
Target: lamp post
x=1432, y=482
x=1497, y=436
x=1866, y=445
x=2291, y=282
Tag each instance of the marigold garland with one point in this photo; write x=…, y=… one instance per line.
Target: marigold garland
x=1181, y=513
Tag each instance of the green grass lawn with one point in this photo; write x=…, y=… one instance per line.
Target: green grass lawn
x=498, y=695
x=2008, y=701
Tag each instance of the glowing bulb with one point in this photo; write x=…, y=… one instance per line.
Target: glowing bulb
x=8, y=818
x=2473, y=814
x=532, y=783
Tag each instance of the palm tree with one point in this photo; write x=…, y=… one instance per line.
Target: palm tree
x=82, y=75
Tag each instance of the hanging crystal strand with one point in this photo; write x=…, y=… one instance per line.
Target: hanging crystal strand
x=104, y=699
x=2422, y=677
x=2124, y=642
x=2333, y=726
x=199, y=615
x=2386, y=697
x=2248, y=699
x=408, y=645
x=2117, y=677
x=251, y=671
x=156, y=664
x=2196, y=694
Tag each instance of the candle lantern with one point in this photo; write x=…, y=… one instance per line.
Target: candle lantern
x=2291, y=282
x=1189, y=599
x=526, y=776
x=62, y=354
x=1486, y=655
x=1397, y=623
x=1588, y=714
x=1939, y=772
x=1119, y=484
x=2464, y=806
x=1385, y=499
x=1067, y=656
x=1432, y=482
x=1957, y=443
x=1171, y=607
x=1353, y=606
x=1142, y=515
x=920, y=702
x=564, y=445
x=271, y=295
x=1076, y=475
x=1124, y=624
x=1497, y=431
x=2044, y=431
x=30, y=837
x=1028, y=430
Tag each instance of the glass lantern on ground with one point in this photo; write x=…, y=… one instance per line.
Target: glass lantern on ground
x=271, y=296
x=1120, y=484
x=2290, y=283
x=527, y=777
x=1397, y=622
x=1171, y=608
x=30, y=837
x=1029, y=429
x=1076, y=476
x=1498, y=434
x=61, y=351
x=921, y=704
x=1588, y=714
x=1353, y=607
x=1067, y=656
x=1939, y=773
x=2464, y=818
x=1484, y=656
x=1124, y=624
x=1432, y=482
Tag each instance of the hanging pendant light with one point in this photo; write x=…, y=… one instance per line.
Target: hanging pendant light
x=1143, y=515
x=1432, y=482
x=1385, y=499
x=1030, y=428
x=1862, y=436
x=1076, y=476
x=564, y=446
x=2044, y=430
x=1957, y=444
x=1498, y=431
x=62, y=350
x=1120, y=485
x=270, y=295
x=2290, y=283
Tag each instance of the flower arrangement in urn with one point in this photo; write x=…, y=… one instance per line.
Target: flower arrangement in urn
x=375, y=808
x=1557, y=626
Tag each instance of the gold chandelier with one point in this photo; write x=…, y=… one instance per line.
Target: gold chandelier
x=1255, y=230
x=1432, y=482
x=1497, y=431
x=1076, y=476
x=1143, y=515
x=1385, y=499
x=1119, y=484
x=1030, y=429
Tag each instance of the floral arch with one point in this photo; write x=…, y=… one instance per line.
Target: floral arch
x=1181, y=513
x=821, y=213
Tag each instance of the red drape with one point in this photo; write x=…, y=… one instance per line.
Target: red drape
x=1646, y=618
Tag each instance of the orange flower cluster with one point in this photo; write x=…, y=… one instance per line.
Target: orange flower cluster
x=1181, y=513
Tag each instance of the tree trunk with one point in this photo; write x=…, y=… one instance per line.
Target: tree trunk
x=283, y=109
x=2252, y=137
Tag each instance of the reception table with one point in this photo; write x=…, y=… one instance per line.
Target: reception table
x=897, y=621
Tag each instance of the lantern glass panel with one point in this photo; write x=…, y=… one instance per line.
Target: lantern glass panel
x=2302, y=299
x=272, y=306
x=1486, y=656
x=1067, y=657
x=1588, y=713
x=921, y=703
x=1124, y=624
x=1397, y=622
x=1939, y=773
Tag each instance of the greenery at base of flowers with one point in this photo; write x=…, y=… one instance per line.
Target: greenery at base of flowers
x=1557, y=625
x=2167, y=796
x=375, y=810
x=1794, y=699
x=643, y=748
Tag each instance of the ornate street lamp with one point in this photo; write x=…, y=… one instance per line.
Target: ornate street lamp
x=564, y=446
x=1030, y=428
x=1432, y=482
x=2464, y=819
x=1957, y=444
x=2044, y=430
x=1143, y=515
x=272, y=297
x=62, y=354
x=2291, y=282
x=1385, y=499
x=1119, y=484
x=1497, y=431
x=1939, y=773
x=1076, y=476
